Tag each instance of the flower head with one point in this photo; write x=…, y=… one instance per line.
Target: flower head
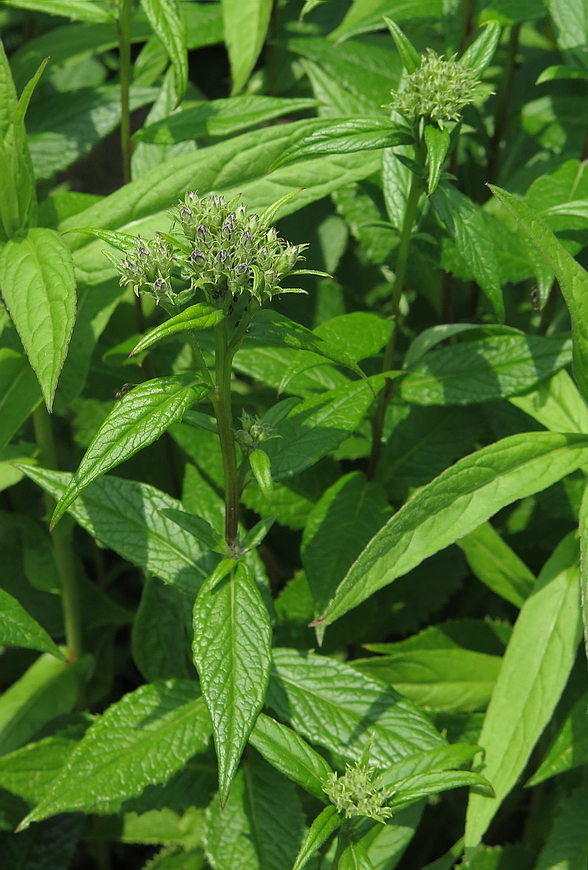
x=437, y=90
x=358, y=792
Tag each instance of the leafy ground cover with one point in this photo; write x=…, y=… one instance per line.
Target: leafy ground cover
x=293, y=434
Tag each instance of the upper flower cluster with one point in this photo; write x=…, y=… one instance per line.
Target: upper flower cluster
x=437, y=90
x=221, y=249
x=358, y=792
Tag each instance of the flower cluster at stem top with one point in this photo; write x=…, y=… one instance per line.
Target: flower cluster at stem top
x=220, y=249
x=437, y=90
x=358, y=792
x=253, y=433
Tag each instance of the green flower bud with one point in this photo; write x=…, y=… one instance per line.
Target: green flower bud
x=358, y=792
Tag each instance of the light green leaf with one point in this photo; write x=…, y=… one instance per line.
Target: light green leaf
x=166, y=19
x=140, y=740
x=197, y=526
x=137, y=419
x=290, y=754
x=570, y=746
x=47, y=689
x=424, y=784
x=557, y=405
x=437, y=142
x=317, y=425
x=344, y=137
x=567, y=842
x=199, y=316
x=480, y=53
x=332, y=704
x=464, y=222
x=246, y=23
x=496, y=564
x=127, y=517
x=534, y=672
x=75, y=10
x=367, y=15
x=345, y=518
x=232, y=652
x=572, y=278
x=223, y=117
x=355, y=857
x=442, y=758
x=410, y=56
x=385, y=844
x=261, y=468
x=38, y=284
x=325, y=824
x=560, y=71
x=454, y=504
x=571, y=22
x=261, y=825
x=19, y=393
x=451, y=680
x=17, y=628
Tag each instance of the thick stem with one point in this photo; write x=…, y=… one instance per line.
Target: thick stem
x=62, y=543
x=401, y=263
x=501, y=118
x=221, y=400
x=123, y=29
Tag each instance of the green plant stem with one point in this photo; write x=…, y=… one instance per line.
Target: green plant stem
x=123, y=30
x=501, y=118
x=466, y=25
x=401, y=263
x=62, y=543
x=221, y=401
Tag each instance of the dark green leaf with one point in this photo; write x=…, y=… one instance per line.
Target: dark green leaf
x=17, y=628
x=325, y=824
x=570, y=747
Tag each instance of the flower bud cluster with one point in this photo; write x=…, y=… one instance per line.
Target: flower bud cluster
x=253, y=433
x=232, y=251
x=437, y=90
x=358, y=792
x=148, y=268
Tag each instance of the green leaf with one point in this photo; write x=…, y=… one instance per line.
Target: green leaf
x=38, y=284
x=19, y=393
x=456, y=503
x=159, y=642
x=560, y=71
x=325, y=824
x=572, y=279
x=497, y=565
x=332, y=704
x=232, y=652
x=261, y=825
x=127, y=517
x=367, y=15
x=317, y=425
x=534, y=672
x=138, y=419
x=166, y=19
x=437, y=142
x=290, y=754
x=200, y=316
x=75, y=10
x=425, y=784
x=410, y=56
x=344, y=137
x=140, y=740
x=223, y=117
x=345, y=518
x=557, y=405
x=246, y=23
x=261, y=468
x=451, y=680
x=569, y=749
x=439, y=759
x=355, y=858
x=571, y=22
x=17, y=628
x=46, y=690
x=465, y=223
x=480, y=53
x=197, y=526
x=491, y=368
x=567, y=841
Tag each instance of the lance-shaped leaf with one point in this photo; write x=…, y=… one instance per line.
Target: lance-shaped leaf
x=245, y=24
x=290, y=754
x=167, y=21
x=454, y=504
x=135, y=421
x=535, y=669
x=342, y=137
x=481, y=51
x=200, y=316
x=232, y=651
x=410, y=56
x=572, y=278
x=75, y=10
x=39, y=287
x=424, y=784
x=17, y=628
x=270, y=327
x=437, y=142
x=142, y=739
x=325, y=824
x=570, y=747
